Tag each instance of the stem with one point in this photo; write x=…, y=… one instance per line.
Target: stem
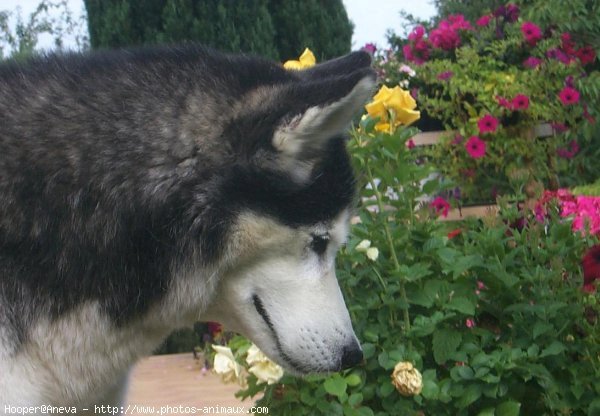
x=390, y=242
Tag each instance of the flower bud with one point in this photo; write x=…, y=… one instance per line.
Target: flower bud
x=407, y=379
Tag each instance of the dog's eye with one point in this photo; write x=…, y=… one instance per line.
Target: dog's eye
x=319, y=243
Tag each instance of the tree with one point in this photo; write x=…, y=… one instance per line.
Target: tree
x=322, y=25
x=279, y=29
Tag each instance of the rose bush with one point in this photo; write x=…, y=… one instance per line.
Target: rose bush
x=471, y=318
x=489, y=84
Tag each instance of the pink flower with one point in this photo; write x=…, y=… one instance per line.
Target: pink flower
x=569, y=96
x=570, y=152
x=470, y=323
x=458, y=139
x=487, y=124
x=441, y=206
x=418, y=52
x=370, y=47
x=410, y=144
x=520, y=102
x=475, y=147
x=484, y=20
x=591, y=268
x=481, y=285
x=586, y=55
x=567, y=44
x=559, y=127
x=532, y=62
x=503, y=102
x=531, y=32
x=446, y=75
x=417, y=33
x=444, y=36
x=458, y=22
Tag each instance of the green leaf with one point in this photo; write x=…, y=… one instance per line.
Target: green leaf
x=469, y=396
x=430, y=390
x=540, y=328
x=461, y=304
x=487, y=412
x=335, y=385
x=509, y=408
x=353, y=379
x=445, y=343
x=554, y=348
x=355, y=399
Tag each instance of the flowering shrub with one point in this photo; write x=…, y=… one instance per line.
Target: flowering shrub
x=471, y=318
x=490, y=83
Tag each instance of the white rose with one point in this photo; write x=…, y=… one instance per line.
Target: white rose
x=373, y=253
x=225, y=365
x=363, y=245
x=265, y=370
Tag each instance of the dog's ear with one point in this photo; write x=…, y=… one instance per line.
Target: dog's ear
x=336, y=67
x=327, y=108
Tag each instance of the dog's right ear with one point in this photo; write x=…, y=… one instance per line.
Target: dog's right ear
x=336, y=67
x=324, y=110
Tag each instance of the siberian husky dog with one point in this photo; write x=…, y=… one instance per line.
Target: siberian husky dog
x=143, y=190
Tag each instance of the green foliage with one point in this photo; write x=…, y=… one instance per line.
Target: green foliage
x=494, y=317
x=272, y=28
x=322, y=25
x=472, y=10
x=51, y=17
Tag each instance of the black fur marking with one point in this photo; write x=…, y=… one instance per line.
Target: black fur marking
x=260, y=308
x=319, y=244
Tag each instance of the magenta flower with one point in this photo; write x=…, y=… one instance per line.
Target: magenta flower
x=444, y=36
x=410, y=144
x=503, y=102
x=470, y=323
x=520, y=102
x=441, y=206
x=531, y=32
x=532, y=62
x=569, y=96
x=484, y=20
x=475, y=147
x=458, y=22
x=570, y=152
x=370, y=47
x=417, y=33
x=487, y=124
x=446, y=75
x=586, y=55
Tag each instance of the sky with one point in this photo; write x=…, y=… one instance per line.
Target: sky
x=371, y=18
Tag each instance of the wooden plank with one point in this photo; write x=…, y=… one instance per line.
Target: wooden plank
x=178, y=380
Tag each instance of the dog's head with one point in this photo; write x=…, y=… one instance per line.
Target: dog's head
x=293, y=189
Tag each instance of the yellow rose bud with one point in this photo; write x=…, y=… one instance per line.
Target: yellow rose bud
x=407, y=379
x=306, y=60
x=394, y=107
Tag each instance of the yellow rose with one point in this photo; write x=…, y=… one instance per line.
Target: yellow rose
x=225, y=365
x=393, y=106
x=307, y=59
x=265, y=370
x=407, y=379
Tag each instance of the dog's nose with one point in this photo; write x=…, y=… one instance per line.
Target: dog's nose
x=351, y=355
